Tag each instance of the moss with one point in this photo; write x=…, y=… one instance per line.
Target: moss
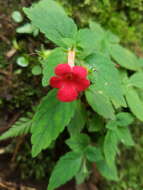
x=124, y=18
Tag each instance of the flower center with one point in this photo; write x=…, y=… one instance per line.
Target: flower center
x=69, y=76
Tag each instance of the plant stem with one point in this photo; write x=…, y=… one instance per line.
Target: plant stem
x=71, y=57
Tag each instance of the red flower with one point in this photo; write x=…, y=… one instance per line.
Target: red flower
x=70, y=81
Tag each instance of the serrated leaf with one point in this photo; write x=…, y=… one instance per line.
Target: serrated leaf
x=93, y=154
x=79, y=142
x=102, y=77
x=21, y=127
x=110, y=147
x=124, y=119
x=66, y=168
x=56, y=57
x=137, y=80
x=79, y=119
x=108, y=172
x=56, y=25
x=124, y=57
x=99, y=103
x=125, y=136
x=51, y=118
x=135, y=103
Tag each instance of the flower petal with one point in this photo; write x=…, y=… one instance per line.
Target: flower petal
x=67, y=94
x=82, y=84
x=56, y=82
x=80, y=71
x=62, y=69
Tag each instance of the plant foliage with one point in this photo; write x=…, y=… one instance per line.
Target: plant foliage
x=106, y=109
x=21, y=127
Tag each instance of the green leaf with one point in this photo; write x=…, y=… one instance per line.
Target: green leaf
x=137, y=80
x=56, y=57
x=69, y=42
x=21, y=127
x=141, y=61
x=104, y=47
x=112, y=125
x=118, y=131
x=17, y=17
x=124, y=119
x=105, y=38
x=66, y=168
x=49, y=121
x=95, y=123
x=110, y=147
x=26, y=29
x=56, y=25
x=93, y=154
x=78, y=142
x=111, y=38
x=79, y=119
x=83, y=174
x=140, y=93
x=97, y=29
x=36, y=70
x=134, y=102
x=88, y=41
x=99, y=103
x=124, y=57
x=22, y=61
x=125, y=136
x=102, y=38
x=108, y=172
x=102, y=77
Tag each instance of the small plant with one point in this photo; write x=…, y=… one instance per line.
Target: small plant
x=21, y=127
x=26, y=28
x=99, y=93
x=17, y=17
